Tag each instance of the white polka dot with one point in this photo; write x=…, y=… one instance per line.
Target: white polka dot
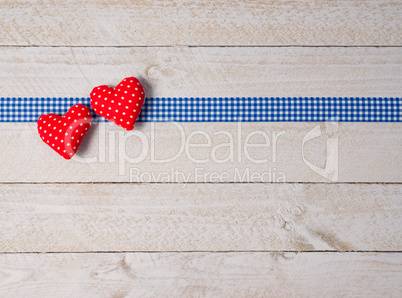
x=66, y=134
x=65, y=124
x=80, y=124
x=130, y=101
x=58, y=148
x=115, y=95
x=48, y=141
x=50, y=135
x=103, y=106
x=85, y=118
x=45, y=131
x=93, y=93
x=131, y=116
x=49, y=125
x=64, y=151
x=105, y=99
x=135, y=110
x=50, y=116
x=136, y=88
x=79, y=114
x=75, y=120
x=128, y=122
x=117, y=111
x=136, y=104
x=131, y=81
x=53, y=145
x=98, y=88
x=69, y=117
x=54, y=128
x=76, y=130
x=44, y=121
x=43, y=138
x=121, y=119
x=101, y=112
x=118, y=90
x=60, y=130
x=128, y=86
x=72, y=138
x=71, y=127
x=112, y=101
x=107, y=114
x=126, y=107
x=75, y=147
x=71, y=154
x=125, y=91
x=55, y=138
x=122, y=97
x=124, y=113
x=72, y=111
x=40, y=127
x=68, y=144
x=62, y=141
x=109, y=92
x=139, y=98
x=83, y=109
x=119, y=103
x=96, y=102
x=78, y=141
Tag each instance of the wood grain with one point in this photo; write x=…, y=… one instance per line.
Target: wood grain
x=249, y=274
x=209, y=22
x=164, y=152
x=204, y=72
x=189, y=239
x=200, y=217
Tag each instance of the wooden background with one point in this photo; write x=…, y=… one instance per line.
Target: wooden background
x=79, y=228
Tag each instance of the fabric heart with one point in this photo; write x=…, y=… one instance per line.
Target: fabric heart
x=121, y=104
x=64, y=133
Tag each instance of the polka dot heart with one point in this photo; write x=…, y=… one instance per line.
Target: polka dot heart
x=65, y=133
x=121, y=104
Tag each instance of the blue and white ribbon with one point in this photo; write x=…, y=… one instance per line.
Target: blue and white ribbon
x=224, y=109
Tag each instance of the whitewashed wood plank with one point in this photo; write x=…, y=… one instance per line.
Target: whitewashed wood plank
x=200, y=217
x=164, y=152
x=127, y=23
x=204, y=72
x=207, y=72
x=252, y=274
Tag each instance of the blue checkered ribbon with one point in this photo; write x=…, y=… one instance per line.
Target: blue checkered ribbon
x=225, y=109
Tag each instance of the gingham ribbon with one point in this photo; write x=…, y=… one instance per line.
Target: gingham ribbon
x=225, y=109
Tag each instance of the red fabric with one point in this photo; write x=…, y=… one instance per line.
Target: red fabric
x=121, y=104
x=64, y=133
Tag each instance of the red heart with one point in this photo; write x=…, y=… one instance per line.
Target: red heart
x=121, y=104
x=64, y=133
